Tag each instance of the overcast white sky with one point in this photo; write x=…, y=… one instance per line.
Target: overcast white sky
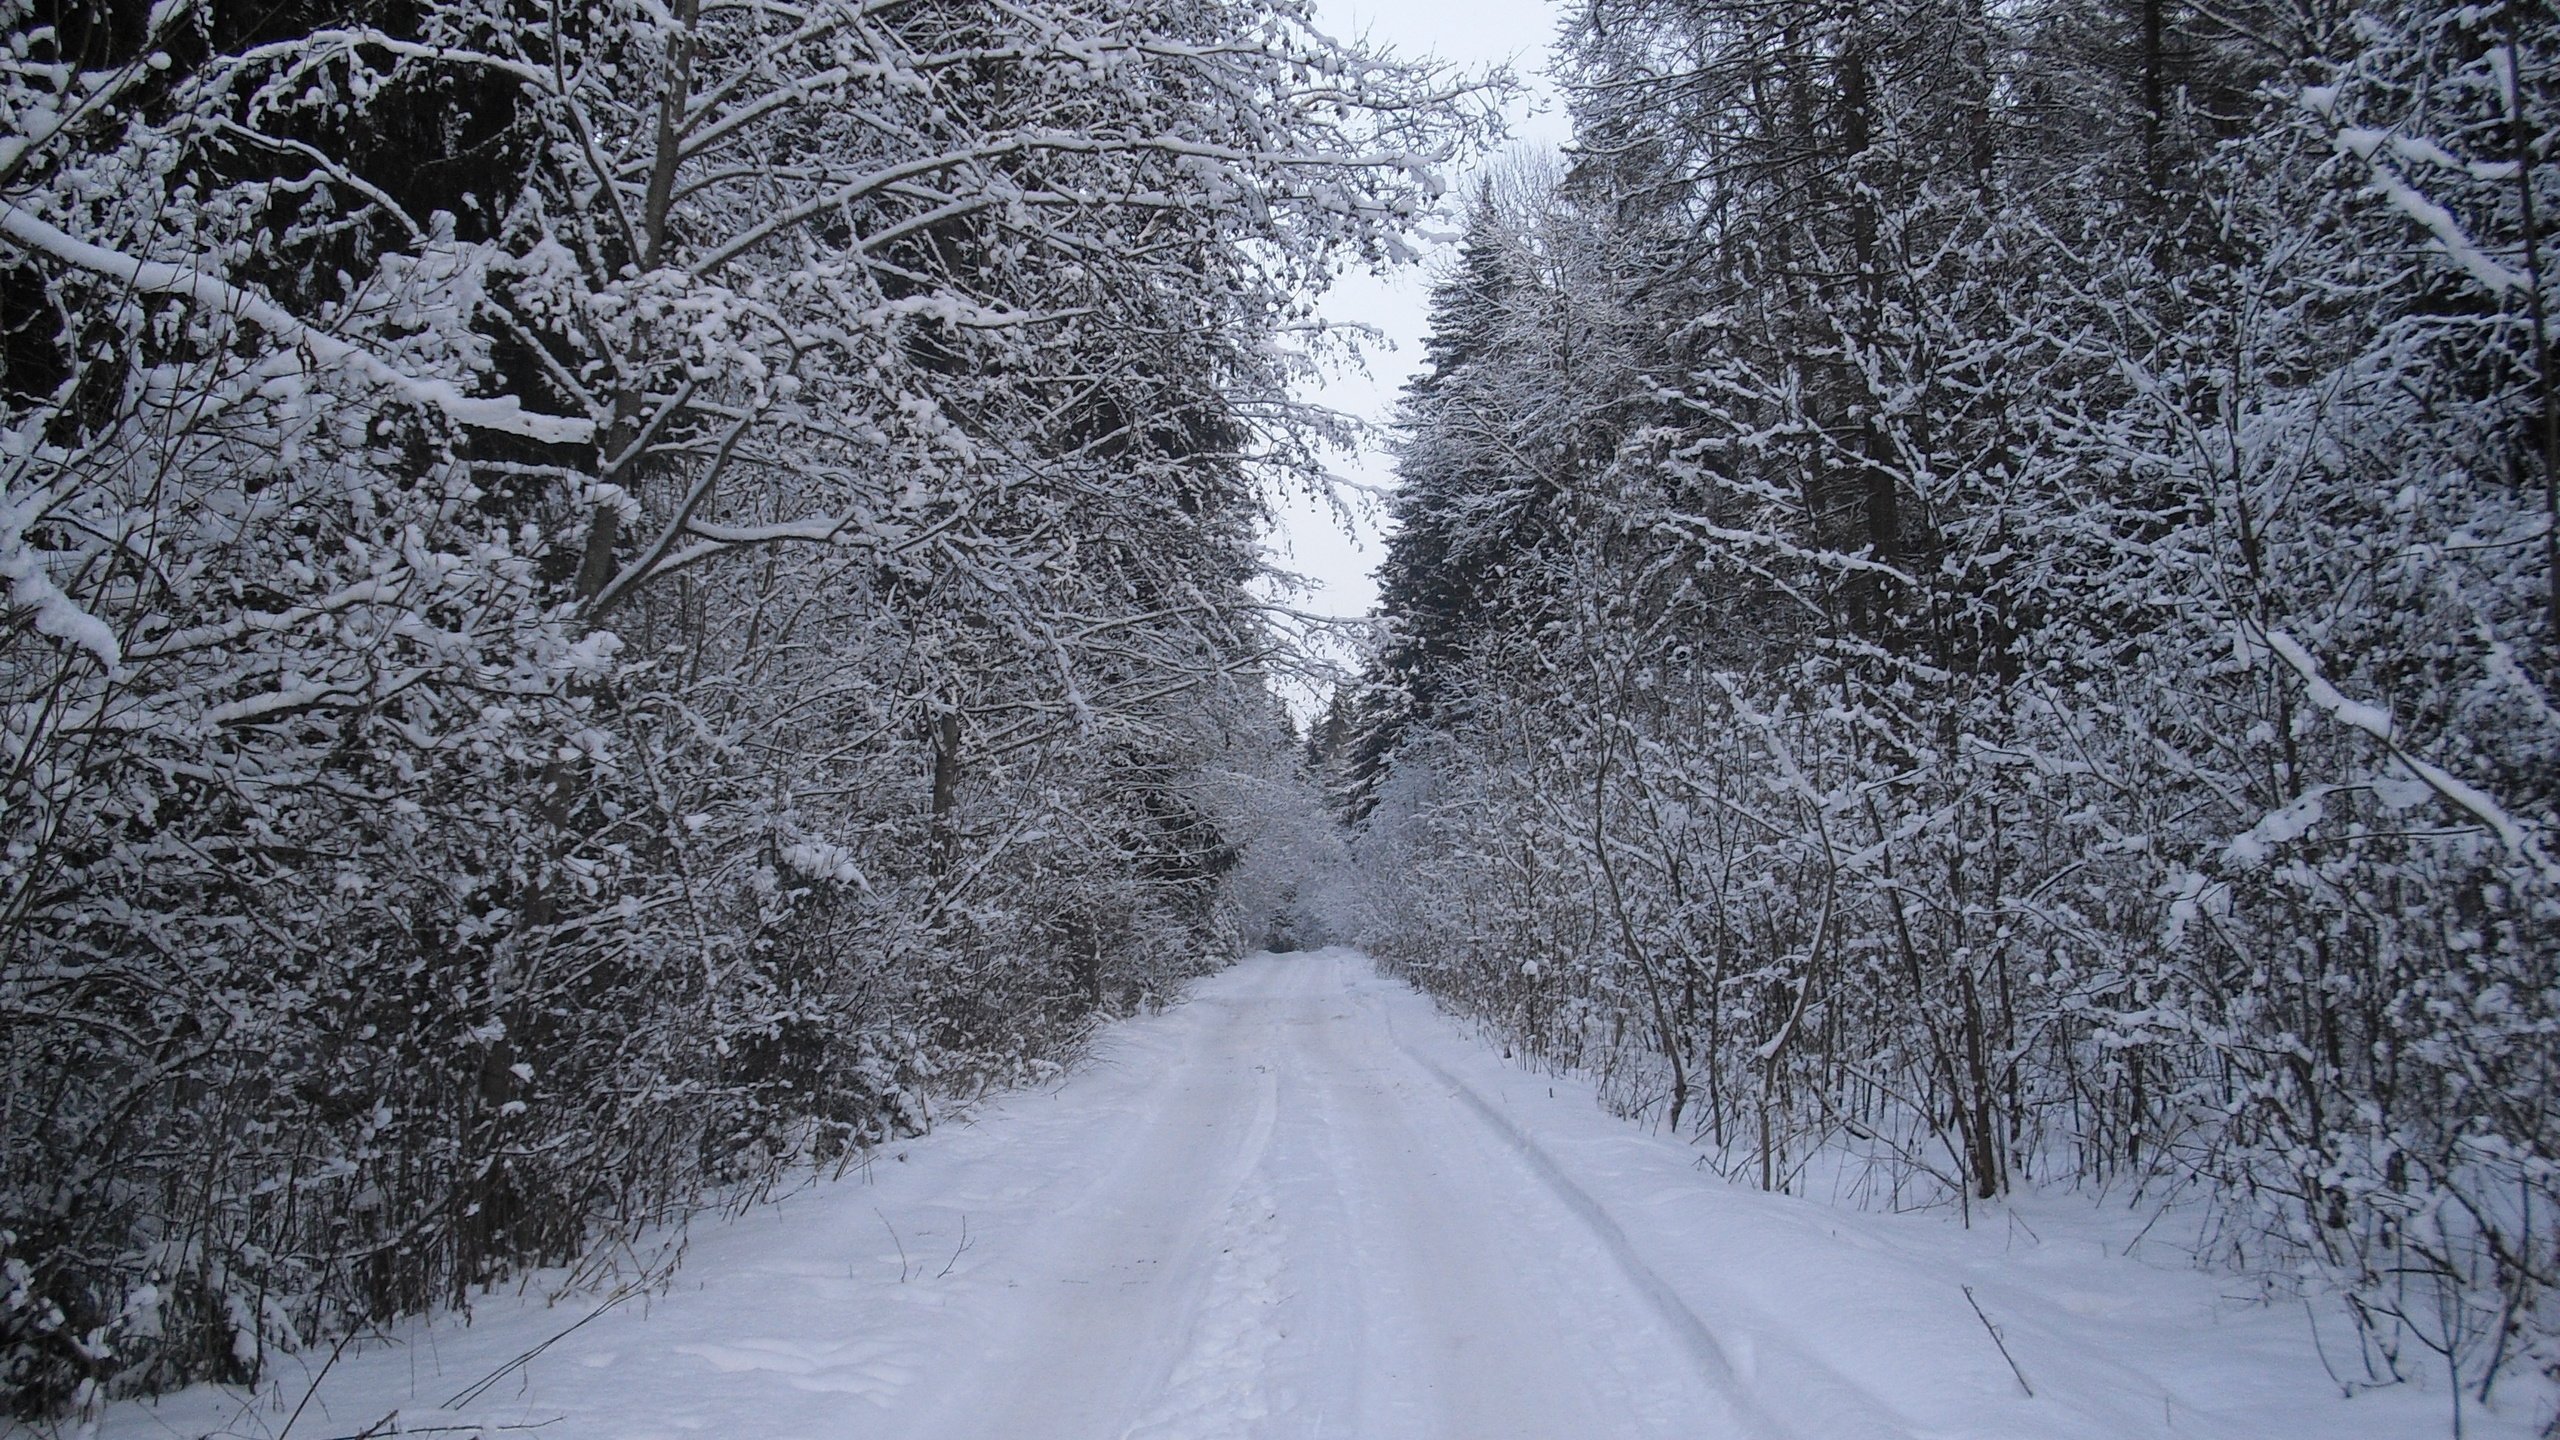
x=1476, y=34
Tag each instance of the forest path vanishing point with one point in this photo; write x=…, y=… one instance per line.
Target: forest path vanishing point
x=1304, y=1204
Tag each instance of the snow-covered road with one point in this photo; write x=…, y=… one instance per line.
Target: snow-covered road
x=1298, y=1228
x=1304, y=1204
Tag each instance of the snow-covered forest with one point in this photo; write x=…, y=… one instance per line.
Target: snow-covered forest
x=613, y=607
x=1976, y=598
x=605, y=601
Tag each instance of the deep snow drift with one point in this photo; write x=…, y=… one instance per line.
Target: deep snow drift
x=1304, y=1204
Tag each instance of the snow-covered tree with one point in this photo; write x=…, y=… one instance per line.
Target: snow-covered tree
x=604, y=601
x=2050, y=677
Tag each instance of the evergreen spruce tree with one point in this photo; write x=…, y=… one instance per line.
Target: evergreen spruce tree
x=1458, y=486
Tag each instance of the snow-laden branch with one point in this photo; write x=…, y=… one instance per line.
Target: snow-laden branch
x=55, y=614
x=2372, y=146
x=2518, y=836
x=503, y=413
x=1043, y=141
x=1768, y=540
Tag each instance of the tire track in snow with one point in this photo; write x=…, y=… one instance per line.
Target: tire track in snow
x=1095, y=1301
x=1865, y=1417
x=1221, y=1334
x=1476, y=1313
x=1219, y=1388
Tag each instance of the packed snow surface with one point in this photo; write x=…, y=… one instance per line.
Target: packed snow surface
x=1305, y=1204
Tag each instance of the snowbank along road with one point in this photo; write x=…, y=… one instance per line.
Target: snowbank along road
x=1303, y=1204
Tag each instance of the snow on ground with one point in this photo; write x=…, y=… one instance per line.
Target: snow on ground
x=1305, y=1204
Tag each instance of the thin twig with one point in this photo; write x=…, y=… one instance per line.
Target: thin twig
x=962, y=1250
x=1996, y=1340
x=894, y=1240
x=374, y=1430
x=481, y=1388
x=314, y=1387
